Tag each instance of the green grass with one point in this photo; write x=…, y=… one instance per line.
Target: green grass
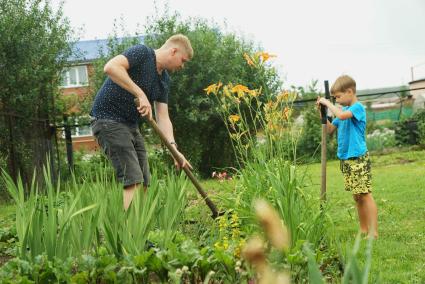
x=6, y=210
x=399, y=191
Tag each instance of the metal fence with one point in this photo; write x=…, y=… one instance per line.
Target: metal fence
x=25, y=144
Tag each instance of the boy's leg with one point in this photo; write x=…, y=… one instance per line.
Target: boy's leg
x=372, y=214
x=363, y=212
x=368, y=213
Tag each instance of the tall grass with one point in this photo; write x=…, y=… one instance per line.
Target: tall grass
x=62, y=220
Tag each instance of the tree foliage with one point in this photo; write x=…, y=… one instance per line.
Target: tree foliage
x=34, y=47
x=218, y=56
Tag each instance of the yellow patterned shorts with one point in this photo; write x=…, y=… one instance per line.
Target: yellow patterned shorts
x=357, y=175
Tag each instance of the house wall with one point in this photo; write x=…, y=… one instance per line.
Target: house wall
x=86, y=142
x=418, y=95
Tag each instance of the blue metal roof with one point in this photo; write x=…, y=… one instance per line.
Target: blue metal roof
x=88, y=50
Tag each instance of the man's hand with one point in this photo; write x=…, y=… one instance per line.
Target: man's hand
x=144, y=108
x=183, y=162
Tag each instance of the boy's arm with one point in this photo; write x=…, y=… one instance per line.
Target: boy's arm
x=341, y=114
x=330, y=128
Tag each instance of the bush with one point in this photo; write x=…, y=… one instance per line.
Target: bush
x=308, y=147
x=379, y=139
x=411, y=131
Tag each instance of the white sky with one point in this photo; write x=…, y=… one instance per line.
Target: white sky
x=375, y=41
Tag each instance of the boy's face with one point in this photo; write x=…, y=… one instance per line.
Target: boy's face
x=177, y=59
x=344, y=98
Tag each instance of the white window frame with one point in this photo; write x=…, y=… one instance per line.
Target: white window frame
x=77, y=130
x=66, y=73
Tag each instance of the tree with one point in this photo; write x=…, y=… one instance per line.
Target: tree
x=34, y=47
x=218, y=56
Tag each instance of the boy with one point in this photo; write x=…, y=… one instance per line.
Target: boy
x=140, y=72
x=352, y=150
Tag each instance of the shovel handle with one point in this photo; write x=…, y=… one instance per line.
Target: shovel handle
x=186, y=169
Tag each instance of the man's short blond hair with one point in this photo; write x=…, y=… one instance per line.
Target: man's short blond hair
x=181, y=41
x=342, y=84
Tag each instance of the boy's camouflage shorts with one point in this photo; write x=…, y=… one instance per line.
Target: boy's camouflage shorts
x=357, y=174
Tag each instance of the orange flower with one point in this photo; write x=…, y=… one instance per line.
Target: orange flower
x=264, y=56
x=286, y=113
x=283, y=96
x=254, y=93
x=234, y=118
x=248, y=59
x=213, y=88
x=240, y=88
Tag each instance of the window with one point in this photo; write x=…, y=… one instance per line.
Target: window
x=79, y=127
x=74, y=76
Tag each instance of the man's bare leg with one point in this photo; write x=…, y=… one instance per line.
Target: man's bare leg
x=129, y=194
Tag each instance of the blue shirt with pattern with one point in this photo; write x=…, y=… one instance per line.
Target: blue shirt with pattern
x=115, y=103
x=352, y=133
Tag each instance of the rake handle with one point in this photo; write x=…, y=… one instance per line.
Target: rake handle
x=186, y=169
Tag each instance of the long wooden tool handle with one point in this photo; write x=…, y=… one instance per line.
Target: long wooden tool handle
x=324, y=134
x=186, y=169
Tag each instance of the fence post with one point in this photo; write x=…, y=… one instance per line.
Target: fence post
x=68, y=143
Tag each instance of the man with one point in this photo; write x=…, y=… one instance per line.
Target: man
x=139, y=73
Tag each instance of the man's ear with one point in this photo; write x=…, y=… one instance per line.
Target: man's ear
x=174, y=50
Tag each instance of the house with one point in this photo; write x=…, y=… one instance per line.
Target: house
x=75, y=81
x=417, y=86
x=417, y=89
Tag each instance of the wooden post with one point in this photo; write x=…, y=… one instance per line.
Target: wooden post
x=68, y=143
x=324, y=115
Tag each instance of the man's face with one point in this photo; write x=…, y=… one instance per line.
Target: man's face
x=177, y=59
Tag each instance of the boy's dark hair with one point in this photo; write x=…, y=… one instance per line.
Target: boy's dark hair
x=342, y=84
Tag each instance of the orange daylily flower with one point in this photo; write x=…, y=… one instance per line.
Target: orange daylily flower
x=248, y=59
x=240, y=88
x=286, y=113
x=283, y=96
x=213, y=88
x=264, y=56
x=234, y=118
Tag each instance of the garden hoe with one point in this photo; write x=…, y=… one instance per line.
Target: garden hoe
x=186, y=169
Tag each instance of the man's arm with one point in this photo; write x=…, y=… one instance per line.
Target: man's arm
x=116, y=69
x=164, y=123
x=163, y=120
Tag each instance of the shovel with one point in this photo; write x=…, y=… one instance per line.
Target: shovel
x=186, y=169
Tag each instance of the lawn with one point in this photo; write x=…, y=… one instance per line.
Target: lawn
x=399, y=191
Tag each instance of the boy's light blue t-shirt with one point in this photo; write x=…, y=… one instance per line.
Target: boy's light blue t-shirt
x=352, y=133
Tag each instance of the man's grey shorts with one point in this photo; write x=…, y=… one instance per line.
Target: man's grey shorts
x=125, y=147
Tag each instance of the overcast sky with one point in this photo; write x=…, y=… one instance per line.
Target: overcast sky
x=375, y=41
